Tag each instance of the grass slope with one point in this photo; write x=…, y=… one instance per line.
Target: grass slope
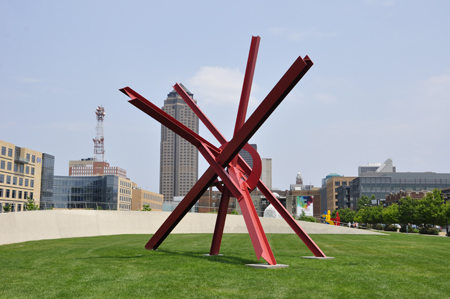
x=365, y=266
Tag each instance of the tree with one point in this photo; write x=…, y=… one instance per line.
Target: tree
x=7, y=207
x=362, y=215
x=429, y=210
x=406, y=210
x=347, y=215
x=390, y=214
x=363, y=201
x=375, y=215
x=31, y=206
x=146, y=208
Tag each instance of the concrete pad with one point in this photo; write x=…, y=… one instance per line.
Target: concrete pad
x=318, y=257
x=267, y=266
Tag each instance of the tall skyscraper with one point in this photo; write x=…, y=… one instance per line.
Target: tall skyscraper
x=266, y=173
x=246, y=155
x=179, y=159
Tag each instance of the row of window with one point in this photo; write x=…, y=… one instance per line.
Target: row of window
x=16, y=180
x=17, y=167
x=7, y=193
x=10, y=154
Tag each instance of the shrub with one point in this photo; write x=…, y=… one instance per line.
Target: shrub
x=426, y=230
x=410, y=229
x=390, y=227
x=377, y=226
x=7, y=208
x=146, y=208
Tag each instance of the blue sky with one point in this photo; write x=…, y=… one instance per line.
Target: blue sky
x=379, y=87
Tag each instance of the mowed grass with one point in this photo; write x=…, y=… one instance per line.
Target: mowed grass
x=365, y=266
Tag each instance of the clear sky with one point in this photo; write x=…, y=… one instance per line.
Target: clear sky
x=379, y=87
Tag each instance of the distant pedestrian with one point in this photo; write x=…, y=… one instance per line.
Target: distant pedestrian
x=356, y=224
x=349, y=224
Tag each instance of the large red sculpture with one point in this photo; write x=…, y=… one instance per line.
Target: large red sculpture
x=237, y=178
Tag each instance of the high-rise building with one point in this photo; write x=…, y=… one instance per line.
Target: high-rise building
x=178, y=158
x=246, y=155
x=266, y=173
x=24, y=173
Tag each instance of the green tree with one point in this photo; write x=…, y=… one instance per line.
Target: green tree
x=7, y=208
x=375, y=215
x=390, y=214
x=429, y=210
x=146, y=208
x=346, y=215
x=406, y=210
x=363, y=201
x=362, y=216
x=31, y=205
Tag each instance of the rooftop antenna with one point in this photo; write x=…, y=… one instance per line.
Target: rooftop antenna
x=99, y=146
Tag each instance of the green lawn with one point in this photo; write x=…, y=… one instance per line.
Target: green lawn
x=365, y=266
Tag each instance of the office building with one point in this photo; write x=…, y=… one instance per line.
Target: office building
x=246, y=155
x=387, y=166
x=383, y=184
x=22, y=174
x=90, y=167
x=101, y=192
x=178, y=158
x=141, y=197
x=266, y=173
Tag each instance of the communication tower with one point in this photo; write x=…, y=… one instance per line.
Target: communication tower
x=99, y=147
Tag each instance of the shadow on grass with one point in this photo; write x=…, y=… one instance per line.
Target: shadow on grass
x=223, y=259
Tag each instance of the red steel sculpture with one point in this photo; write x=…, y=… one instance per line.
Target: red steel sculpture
x=236, y=177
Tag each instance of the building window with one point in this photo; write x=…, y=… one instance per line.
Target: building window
x=7, y=193
x=344, y=183
x=9, y=166
x=2, y=164
x=337, y=183
x=33, y=158
x=31, y=183
x=20, y=181
x=21, y=168
x=3, y=151
x=13, y=194
x=1, y=192
x=27, y=170
x=9, y=152
x=26, y=182
x=25, y=194
x=32, y=170
x=8, y=179
x=20, y=195
x=16, y=167
x=2, y=178
x=14, y=180
x=31, y=195
x=28, y=157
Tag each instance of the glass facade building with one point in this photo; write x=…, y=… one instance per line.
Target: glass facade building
x=94, y=192
x=47, y=174
x=382, y=184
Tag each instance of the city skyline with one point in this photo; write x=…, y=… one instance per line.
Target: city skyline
x=365, y=99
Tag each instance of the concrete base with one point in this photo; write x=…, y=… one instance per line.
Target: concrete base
x=207, y=254
x=318, y=257
x=267, y=266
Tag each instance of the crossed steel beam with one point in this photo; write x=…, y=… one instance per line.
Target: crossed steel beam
x=236, y=177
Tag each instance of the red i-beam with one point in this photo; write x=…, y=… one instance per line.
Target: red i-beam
x=237, y=178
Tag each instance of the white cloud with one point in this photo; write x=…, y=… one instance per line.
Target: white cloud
x=219, y=86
